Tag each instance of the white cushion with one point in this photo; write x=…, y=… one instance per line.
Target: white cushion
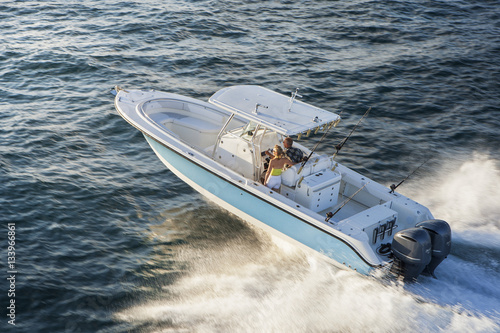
x=197, y=125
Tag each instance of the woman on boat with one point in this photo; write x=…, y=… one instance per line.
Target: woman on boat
x=276, y=166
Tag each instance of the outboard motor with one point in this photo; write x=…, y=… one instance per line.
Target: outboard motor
x=412, y=252
x=440, y=233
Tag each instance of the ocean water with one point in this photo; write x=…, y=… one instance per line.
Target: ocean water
x=109, y=240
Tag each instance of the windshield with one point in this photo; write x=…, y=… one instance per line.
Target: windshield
x=249, y=129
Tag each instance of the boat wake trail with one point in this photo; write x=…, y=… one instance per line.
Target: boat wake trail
x=240, y=279
x=296, y=295
x=466, y=195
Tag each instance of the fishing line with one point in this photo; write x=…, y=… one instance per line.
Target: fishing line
x=342, y=143
x=394, y=187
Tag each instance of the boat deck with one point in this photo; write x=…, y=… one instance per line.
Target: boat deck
x=217, y=148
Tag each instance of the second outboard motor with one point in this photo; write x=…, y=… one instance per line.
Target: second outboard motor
x=412, y=252
x=440, y=233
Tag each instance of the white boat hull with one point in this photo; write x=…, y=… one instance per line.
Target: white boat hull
x=215, y=148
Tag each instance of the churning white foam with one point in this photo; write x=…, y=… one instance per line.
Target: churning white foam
x=283, y=292
x=466, y=194
x=268, y=298
x=257, y=285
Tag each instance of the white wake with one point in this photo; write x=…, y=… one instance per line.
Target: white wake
x=252, y=284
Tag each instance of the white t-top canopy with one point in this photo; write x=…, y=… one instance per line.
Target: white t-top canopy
x=271, y=109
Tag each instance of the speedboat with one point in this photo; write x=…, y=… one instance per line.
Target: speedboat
x=217, y=148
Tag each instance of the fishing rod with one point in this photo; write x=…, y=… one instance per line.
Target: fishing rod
x=317, y=144
x=329, y=215
x=342, y=143
x=394, y=187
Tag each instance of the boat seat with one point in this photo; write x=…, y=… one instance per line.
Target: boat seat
x=160, y=118
x=321, y=162
x=316, y=164
x=290, y=176
x=196, y=131
x=197, y=124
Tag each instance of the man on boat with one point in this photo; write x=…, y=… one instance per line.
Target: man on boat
x=295, y=154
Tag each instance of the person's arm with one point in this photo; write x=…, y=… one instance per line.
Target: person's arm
x=284, y=163
x=289, y=160
x=269, y=169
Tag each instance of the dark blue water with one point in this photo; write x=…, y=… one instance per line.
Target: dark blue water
x=109, y=240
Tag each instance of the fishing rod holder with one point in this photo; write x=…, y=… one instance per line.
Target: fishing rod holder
x=329, y=215
x=257, y=106
x=292, y=98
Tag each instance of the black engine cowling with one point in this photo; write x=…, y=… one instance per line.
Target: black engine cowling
x=412, y=251
x=440, y=233
x=420, y=249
